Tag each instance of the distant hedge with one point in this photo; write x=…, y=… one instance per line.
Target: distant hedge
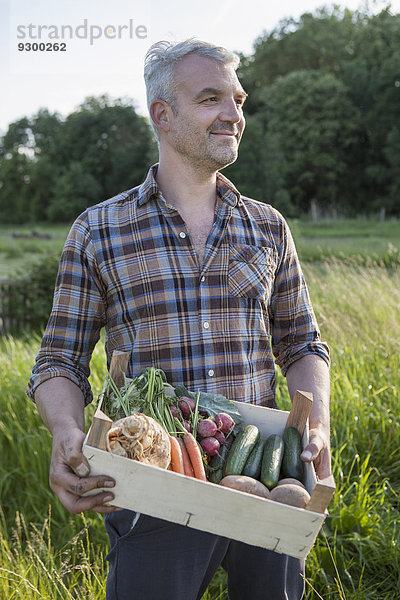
x=25, y=302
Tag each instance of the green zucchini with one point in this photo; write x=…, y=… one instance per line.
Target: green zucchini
x=240, y=451
x=292, y=465
x=272, y=460
x=252, y=468
x=218, y=461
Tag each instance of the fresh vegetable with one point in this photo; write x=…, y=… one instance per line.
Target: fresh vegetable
x=292, y=465
x=240, y=451
x=290, y=481
x=176, y=456
x=144, y=394
x=216, y=467
x=220, y=437
x=194, y=453
x=206, y=428
x=187, y=406
x=224, y=422
x=181, y=392
x=176, y=412
x=246, y=484
x=252, y=468
x=210, y=445
x=294, y=495
x=187, y=465
x=140, y=437
x=272, y=460
x=213, y=404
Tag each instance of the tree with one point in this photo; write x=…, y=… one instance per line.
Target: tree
x=76, y=190
x=322, y=41
x=53, y=169
x=15, y=172
x=309, y=112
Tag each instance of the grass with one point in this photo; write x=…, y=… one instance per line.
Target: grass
x=356, y=556
x=18, y=252
x=354, y=241
x=359, y=241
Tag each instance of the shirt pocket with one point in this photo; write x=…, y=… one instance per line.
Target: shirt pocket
x=251, y=270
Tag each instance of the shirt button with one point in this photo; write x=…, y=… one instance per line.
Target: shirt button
x=182, y=234
x=211, y=373
x=206, y=325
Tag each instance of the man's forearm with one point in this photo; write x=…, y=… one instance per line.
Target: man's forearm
x=60, y=404
x=311, y=374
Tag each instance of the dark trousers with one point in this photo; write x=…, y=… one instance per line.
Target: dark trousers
x=152, y=559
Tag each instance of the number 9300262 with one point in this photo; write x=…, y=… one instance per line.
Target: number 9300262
x=42, y=47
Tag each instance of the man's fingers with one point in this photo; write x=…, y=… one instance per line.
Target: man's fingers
x=310, y=452
x=61, y=477
x=77, y=504
x=79, y=485
x=74, y=456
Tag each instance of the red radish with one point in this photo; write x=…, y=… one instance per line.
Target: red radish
x=187, y=406
x=187, y=426
x=206, y=428
x=175, y=412
x=224, y=422
x=220, y=437
x=210, y=445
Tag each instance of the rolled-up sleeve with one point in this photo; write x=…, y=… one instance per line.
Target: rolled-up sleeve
x=76, y=318
x=294, y=329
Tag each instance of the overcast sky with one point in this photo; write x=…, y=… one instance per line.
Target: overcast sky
x=105, y=43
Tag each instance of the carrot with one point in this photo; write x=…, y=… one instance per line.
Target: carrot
x=195, y=456
x=176, y=456
x=187, y=465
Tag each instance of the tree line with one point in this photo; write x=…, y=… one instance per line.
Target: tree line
x=323, y=129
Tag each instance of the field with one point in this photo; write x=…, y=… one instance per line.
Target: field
x=46, y=553
x=364, y=241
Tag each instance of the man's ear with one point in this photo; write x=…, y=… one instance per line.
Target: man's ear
x=159, y=113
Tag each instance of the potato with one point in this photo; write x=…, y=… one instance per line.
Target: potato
x=290, y=481
x=292, y=494
x=245, y=484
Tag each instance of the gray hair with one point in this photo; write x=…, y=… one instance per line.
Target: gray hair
x=161, y=59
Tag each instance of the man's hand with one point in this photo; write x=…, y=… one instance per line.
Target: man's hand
x=318, y=450
x=69, y=472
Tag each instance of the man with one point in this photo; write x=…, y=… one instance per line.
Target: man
x=190, y=276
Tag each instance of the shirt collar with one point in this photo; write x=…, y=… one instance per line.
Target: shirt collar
x=225, y=189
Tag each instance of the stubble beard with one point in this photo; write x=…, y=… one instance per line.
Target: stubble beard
x=205, y=152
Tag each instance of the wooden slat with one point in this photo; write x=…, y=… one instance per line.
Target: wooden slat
x=213, y=508
x=98, y=430
x=300, y=411
x=118, y=366
x=207, y=506
x=322, y=495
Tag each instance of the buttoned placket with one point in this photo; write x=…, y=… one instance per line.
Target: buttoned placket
x=214, y=242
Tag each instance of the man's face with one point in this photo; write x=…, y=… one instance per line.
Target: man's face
x=207, y=118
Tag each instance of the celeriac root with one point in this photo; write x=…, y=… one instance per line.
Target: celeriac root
x=140, y=437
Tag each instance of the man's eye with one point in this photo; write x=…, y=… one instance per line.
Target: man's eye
x=211, y=99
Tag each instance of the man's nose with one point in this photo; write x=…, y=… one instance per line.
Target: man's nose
x=231, y=111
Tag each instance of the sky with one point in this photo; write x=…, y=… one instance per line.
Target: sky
x=102, y=44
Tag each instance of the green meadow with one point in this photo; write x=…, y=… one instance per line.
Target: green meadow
x=352, y=270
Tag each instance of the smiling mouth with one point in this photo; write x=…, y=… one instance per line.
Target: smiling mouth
x=229, y=133
x=226, y=135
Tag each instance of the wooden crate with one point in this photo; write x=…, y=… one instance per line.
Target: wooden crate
x=213, y=508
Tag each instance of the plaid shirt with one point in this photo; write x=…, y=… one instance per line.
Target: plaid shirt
x=128, y=265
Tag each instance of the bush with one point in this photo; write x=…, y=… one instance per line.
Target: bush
x=27, y=300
